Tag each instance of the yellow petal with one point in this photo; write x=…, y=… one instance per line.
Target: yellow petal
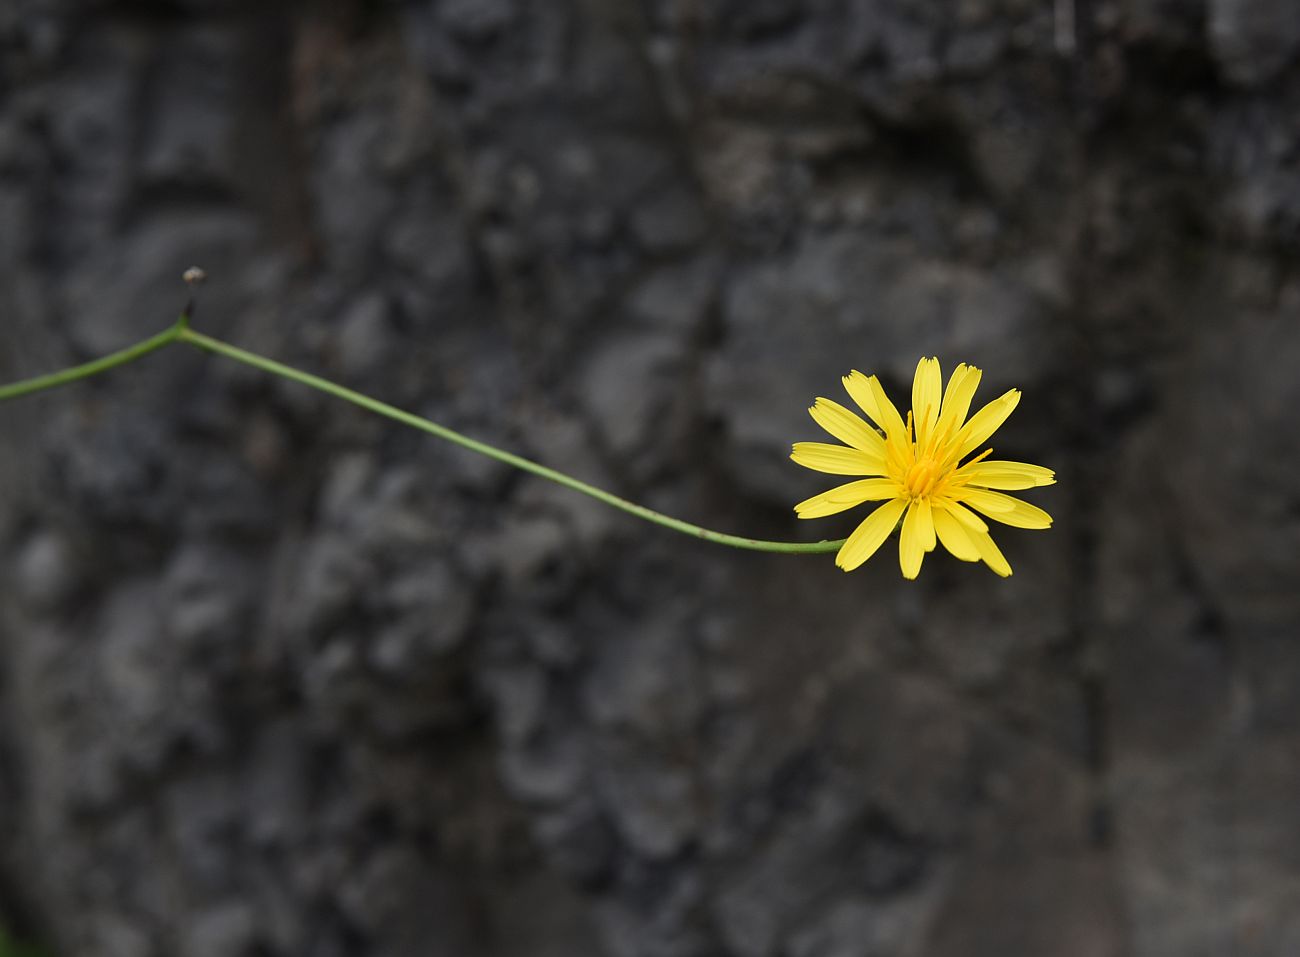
x=912, y=539
x=847, y=427
x=1005, y=509
x=836, y=459
x=927, y=393
x=1007, y=481
x=1006, y=475
x=957, y=397
x=927, y=524
x=954, y=536
x=869, y=535
x=985, y=501
x=984, y=423
x=859, y=389
x=969, y=520
x=846, y=496
x=991, y=554
x=889, y=420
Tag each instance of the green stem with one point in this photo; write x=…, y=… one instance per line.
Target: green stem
x=492, y=452
x=181, y=332
x=88, y=369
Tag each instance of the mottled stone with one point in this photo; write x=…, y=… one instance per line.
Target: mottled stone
x=633, y=410
x=49, y=571
x=1253, y=40
x=226, y=931
x=282, y=677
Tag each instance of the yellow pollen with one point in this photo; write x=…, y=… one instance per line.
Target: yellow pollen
x=921, y=478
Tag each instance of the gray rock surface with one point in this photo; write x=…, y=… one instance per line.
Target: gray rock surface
x=280, y=678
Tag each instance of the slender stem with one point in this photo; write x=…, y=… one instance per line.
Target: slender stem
x=95, y=367
x=526, y=465
x=180, y=331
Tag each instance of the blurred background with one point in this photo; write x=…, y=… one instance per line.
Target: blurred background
x=279, y=678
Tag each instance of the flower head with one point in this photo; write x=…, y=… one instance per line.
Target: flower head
x=914, y=467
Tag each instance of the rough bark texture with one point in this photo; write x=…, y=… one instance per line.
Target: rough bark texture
x=279, y=678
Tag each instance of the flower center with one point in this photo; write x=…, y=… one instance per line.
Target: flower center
x=922, y=478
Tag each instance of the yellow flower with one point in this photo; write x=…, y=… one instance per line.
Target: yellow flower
x=914, y=468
